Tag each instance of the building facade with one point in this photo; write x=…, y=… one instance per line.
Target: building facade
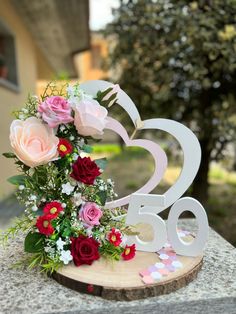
x=24, y=57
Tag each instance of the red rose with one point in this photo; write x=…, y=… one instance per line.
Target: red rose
x=114, y=237
x=44, y=225
x=64, y=147
x=129, y=252
x=84, y=250
x=85, y=170
x=53, y=209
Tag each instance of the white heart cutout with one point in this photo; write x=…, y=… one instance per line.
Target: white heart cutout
x=154, y=149
x=186, y=138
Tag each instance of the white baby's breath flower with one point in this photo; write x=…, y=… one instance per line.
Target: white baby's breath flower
x=81, y=142
x=67, y=188
x=75, y=157
x=21, y=187
x=101, y=188
x=76, y=199
x=89, y=232
x=70, y=90
x=66, y=257
x=33, y=197
x=62, y=128
x=49, y=249
x=34, y=208
x=72, y=138
x=25, y=110
x=63, y=205
x=75, y=95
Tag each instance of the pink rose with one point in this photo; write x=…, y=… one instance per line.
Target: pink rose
x=33, y=142
x=90, y=214
x=55, y=110
x=115, y=89
x=90, y=118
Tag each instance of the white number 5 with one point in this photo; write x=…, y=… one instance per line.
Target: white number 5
x=144, y=208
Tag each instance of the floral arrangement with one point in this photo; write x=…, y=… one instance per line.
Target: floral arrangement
x=61, y=187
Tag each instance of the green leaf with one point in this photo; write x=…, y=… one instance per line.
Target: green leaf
x=101, y=163
x=66, y=232
x=87, y=148
x=102, y=197
x=17, y=180
x=9, y=155
x=34, y=242
x=104, y=93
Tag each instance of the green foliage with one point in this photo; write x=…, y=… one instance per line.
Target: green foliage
x=39, y=260
x=34, y=242
x=101, y=198
x=54, y=89
x=9, y=155
x=30, y=109
x=65, y=227
x=101, y=163
x=101, y=95
x=17, y=180
x=87, y=148
x=20, y=224
x=110, y=251
x=177, y=59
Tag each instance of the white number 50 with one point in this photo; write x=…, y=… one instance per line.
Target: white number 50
x=144, y=208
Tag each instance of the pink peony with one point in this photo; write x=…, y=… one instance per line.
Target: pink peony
x=33, y=142
x=55, y=110
x=90, y=118
x=90, y=214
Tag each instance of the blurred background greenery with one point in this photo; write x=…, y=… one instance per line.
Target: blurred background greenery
x=175, y=59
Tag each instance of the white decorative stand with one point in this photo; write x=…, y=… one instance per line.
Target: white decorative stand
x=144, y=208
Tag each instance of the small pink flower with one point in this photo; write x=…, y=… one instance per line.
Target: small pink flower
x=114, y=91
x=90, y=118
x=55, y=110
x=90, y=214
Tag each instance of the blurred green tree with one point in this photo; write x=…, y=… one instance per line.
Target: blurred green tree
x=177, y=59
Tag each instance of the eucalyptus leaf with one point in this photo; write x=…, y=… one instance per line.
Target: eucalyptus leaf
x=87, y=148
x=101, y=163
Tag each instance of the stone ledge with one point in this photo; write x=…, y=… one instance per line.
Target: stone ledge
x=214, y=291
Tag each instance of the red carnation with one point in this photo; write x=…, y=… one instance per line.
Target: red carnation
x=129, y=252
x=44, y=225
x=84, y=250
x=85, y=170
x=114, y=237
x=64, y=147
x=53, y=209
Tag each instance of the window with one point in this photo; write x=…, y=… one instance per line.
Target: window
x=8, y=69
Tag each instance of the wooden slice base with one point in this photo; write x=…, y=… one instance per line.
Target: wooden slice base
x=121, y=281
